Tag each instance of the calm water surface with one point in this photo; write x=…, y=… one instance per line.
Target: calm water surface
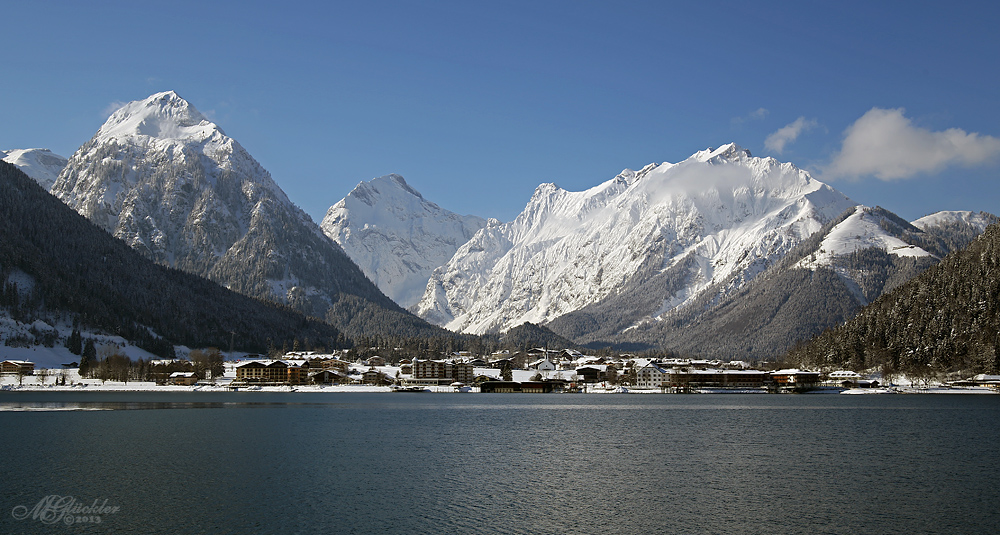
x=496, y=463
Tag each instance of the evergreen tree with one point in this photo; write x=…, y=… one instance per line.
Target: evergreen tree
x=75, y=342
x=88, y=357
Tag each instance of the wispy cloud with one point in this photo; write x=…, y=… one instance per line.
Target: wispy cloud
x=756, y=115
x=112, y=107
x=885, y=144
x=788, y=134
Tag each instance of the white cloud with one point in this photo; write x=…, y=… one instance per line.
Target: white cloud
x=887, y=145
x=756, y=115
x=789, y=133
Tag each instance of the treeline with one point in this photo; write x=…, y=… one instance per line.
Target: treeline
x=73, y=269
x=944, y=321
x=395, y=348
x=109, y=363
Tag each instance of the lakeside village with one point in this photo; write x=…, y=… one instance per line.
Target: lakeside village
x=533, y=371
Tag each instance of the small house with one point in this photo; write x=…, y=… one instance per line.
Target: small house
x=182, y=378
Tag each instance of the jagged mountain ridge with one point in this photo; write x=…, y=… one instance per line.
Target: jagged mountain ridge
x=716, y=220
x=170, y=183
x=396, y=236
x=42, y=165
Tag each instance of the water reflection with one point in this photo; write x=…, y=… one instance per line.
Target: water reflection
x=42, y=406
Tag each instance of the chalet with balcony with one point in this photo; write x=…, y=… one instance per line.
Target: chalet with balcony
x=17, y=367
x=272, y=372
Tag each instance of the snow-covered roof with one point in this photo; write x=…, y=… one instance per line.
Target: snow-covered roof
x=652, y=365
x=268, y=362
x=985, y=377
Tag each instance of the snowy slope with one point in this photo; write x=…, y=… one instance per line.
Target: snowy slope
x=42, y=165
x=396, y=236
x=722, y=212
x=861, y=230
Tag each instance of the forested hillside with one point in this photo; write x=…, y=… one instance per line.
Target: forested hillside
x=70, y=269
x=947, y=320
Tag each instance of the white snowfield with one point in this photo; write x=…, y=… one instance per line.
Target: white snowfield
x=731, y=212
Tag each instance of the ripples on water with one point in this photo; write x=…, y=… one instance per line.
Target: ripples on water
x=520, y=463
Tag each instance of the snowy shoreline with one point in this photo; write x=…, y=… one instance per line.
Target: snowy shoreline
x=141, y=386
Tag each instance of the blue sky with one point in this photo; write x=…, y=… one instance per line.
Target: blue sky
x=476, y=103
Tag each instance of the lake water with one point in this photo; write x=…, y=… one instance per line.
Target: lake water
x=501, y=463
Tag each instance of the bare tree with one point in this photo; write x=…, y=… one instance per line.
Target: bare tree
x=208, y=364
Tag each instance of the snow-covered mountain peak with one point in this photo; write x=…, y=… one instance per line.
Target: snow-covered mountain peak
x=168, y=182
x=546, y=189
x=978, y=220
x=730, y=151
x=162, y=116
x=142, y=134
x=401, y=182
x=395, y=235
x=42, y=165
x=628, y=177
x=383, y=187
